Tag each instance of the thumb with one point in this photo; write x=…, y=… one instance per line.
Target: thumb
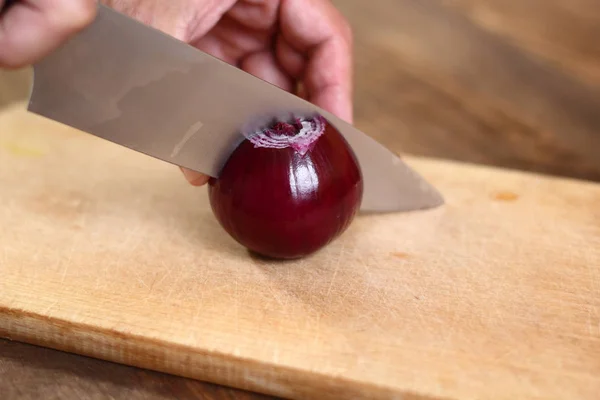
x=31, y=29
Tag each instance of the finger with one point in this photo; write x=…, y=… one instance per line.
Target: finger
x=264, y=66
x=327, y=79
x=292, y=61
x=317, y=29
x=193, y=177
x=31, y=29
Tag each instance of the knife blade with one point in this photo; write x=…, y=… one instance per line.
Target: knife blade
x=138, y=87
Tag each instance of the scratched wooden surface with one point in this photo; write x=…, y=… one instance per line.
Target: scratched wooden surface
x=509, y=83
x=111, y=254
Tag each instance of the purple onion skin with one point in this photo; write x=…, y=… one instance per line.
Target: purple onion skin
x=281, y=203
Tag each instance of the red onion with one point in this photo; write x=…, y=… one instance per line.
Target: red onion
x=288, y=190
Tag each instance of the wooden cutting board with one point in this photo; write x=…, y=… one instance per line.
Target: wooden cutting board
x=109, y=253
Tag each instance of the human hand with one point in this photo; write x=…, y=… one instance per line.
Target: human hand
x=31, y=29
x=302, y=46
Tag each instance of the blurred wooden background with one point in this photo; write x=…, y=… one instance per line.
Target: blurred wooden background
x=511, y=83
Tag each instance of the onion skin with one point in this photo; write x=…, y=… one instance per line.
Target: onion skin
x=284, y=199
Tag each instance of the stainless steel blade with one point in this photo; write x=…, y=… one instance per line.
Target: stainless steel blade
x=133, y=85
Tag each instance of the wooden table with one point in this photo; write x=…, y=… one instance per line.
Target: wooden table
x=506, y=83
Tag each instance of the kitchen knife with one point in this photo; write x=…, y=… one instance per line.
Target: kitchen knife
x=131, y=84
